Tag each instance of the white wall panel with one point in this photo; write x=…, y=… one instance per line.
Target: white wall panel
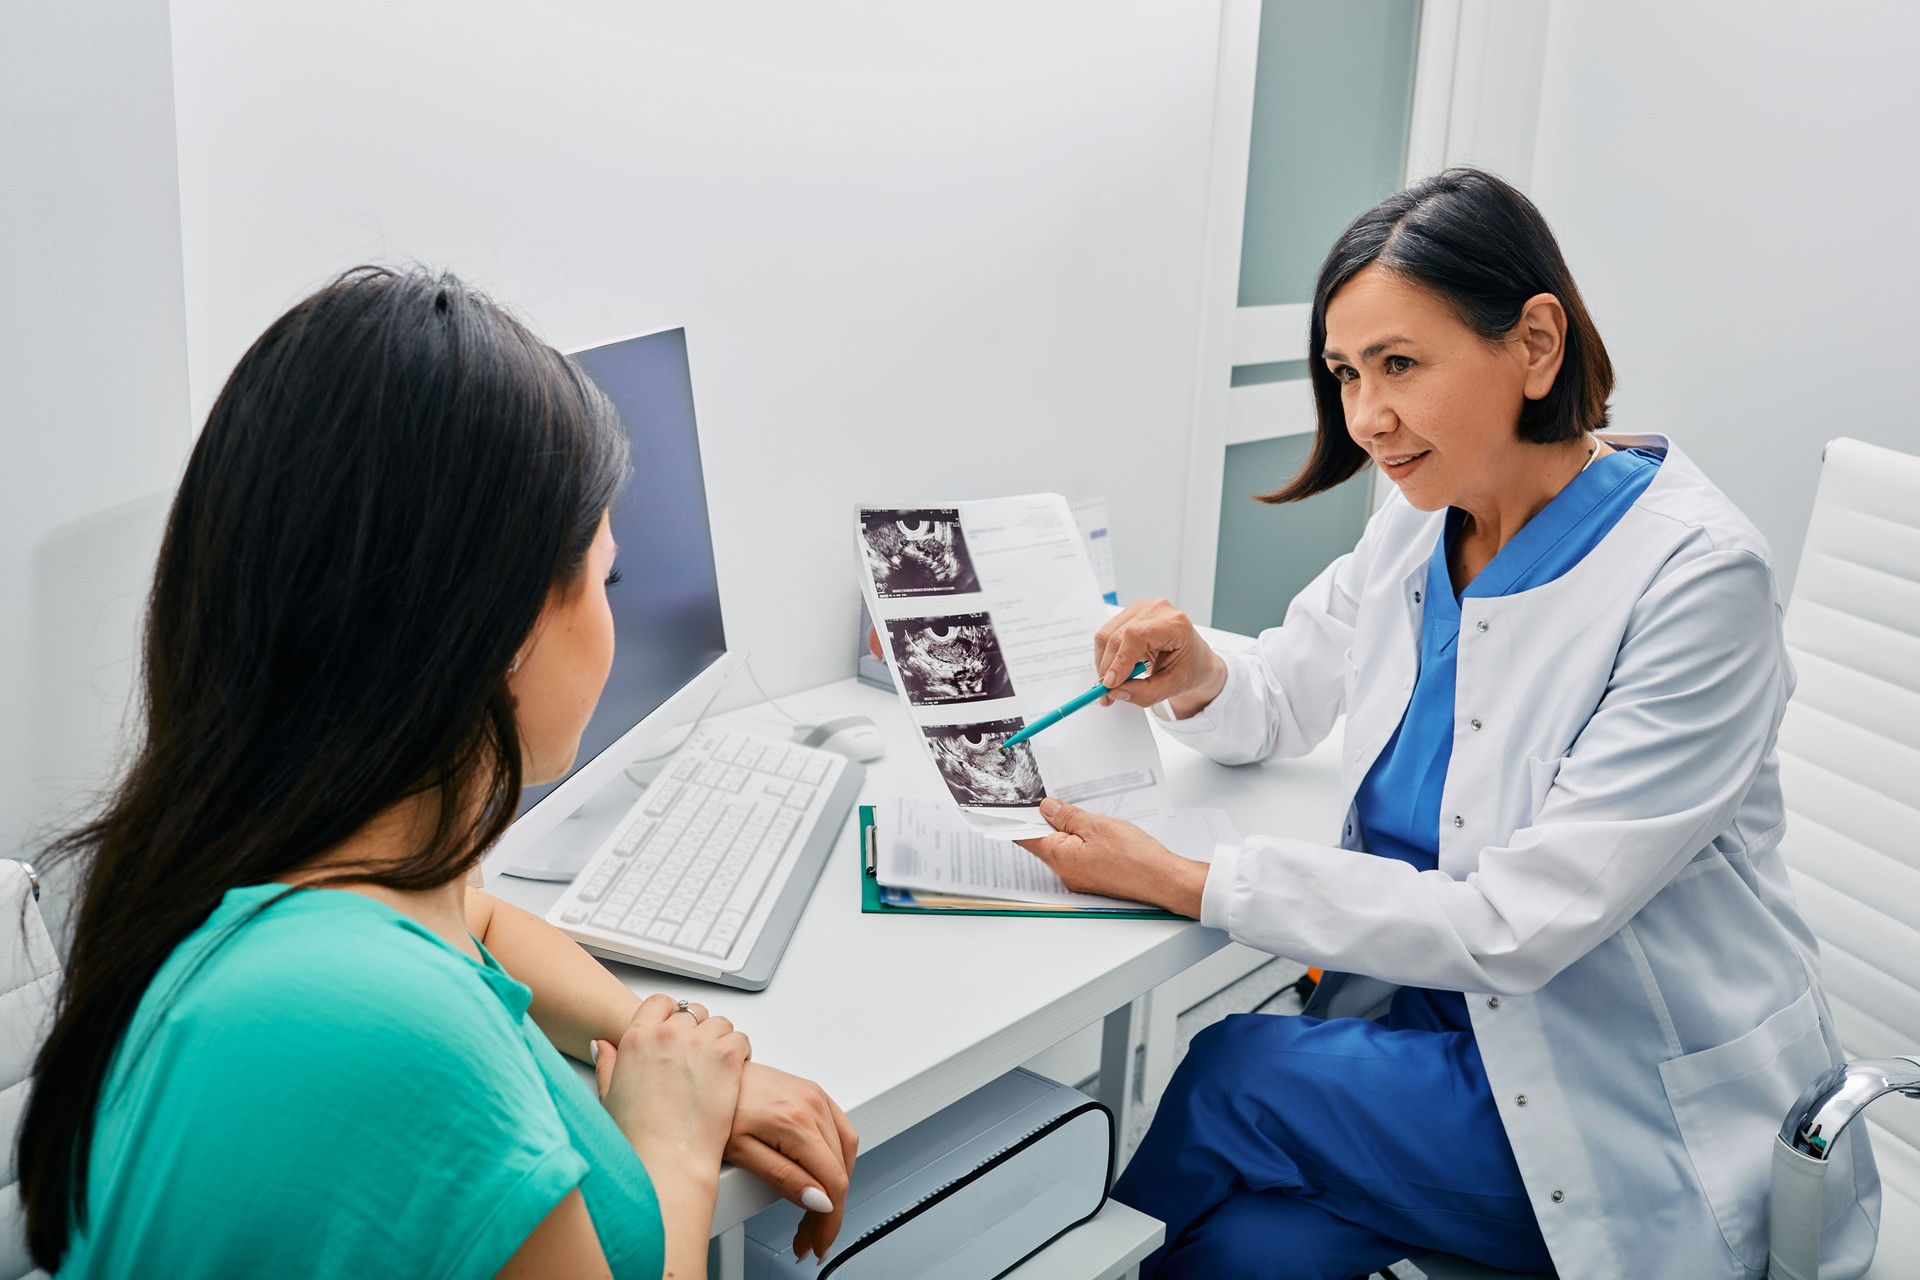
x=1734, y=191
x=921, y=251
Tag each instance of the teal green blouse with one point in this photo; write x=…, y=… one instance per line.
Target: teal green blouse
x=324, y=1087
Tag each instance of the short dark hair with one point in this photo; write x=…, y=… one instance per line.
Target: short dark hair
x=395, y=478
x=1483, y=246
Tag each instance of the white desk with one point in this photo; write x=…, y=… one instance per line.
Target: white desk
x=898, y=1016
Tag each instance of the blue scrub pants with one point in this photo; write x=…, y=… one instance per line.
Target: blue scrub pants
x=1296, y=1148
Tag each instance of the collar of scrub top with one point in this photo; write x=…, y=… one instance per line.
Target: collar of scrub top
x=1556, y=521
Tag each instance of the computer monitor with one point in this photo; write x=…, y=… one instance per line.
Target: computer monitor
x=670, y=652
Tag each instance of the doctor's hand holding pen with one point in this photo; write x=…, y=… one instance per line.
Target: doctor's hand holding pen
x=1185, y=672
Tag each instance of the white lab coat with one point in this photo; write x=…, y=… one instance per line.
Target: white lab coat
x=1610, y=895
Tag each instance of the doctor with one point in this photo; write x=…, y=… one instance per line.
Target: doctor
x=1557, y=885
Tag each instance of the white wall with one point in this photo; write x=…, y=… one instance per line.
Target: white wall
x=922, y=252
x=1736, y=191
x=93, y=386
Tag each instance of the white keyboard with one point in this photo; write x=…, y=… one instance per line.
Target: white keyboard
x=694, y=871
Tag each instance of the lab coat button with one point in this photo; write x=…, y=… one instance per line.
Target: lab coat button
x=1558, y=1196
x=1416, y=597
x=1520, y=1100
x=1474, y=723
x=1480, y=625
x=1459, y=821
x=1493, y=1002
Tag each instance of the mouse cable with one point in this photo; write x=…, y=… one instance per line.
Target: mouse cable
x=746, y=664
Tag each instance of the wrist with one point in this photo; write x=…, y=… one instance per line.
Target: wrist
x=1186, y=886
x=1200, y=699
x=681, y=1165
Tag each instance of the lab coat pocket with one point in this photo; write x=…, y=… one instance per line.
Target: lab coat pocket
x=1540, y=776
x=1728, y=1102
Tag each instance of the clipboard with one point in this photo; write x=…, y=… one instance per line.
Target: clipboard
x=871, y=902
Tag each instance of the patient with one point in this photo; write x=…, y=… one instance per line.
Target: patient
x=293, y=1041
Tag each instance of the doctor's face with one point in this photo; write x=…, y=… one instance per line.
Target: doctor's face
x=1435, y=405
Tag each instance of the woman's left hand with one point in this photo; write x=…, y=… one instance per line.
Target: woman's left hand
x=1094, y=854
x=793, y=1137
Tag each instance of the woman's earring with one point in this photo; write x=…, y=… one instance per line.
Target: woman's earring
x=514, y=665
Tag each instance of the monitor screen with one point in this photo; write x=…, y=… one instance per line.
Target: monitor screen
x=666, y=606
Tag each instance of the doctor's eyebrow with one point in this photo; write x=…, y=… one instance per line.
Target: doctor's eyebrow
x=1372, y=349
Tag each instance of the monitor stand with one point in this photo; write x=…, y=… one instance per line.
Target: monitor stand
x=561, y=853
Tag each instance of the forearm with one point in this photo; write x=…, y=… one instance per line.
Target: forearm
x=575, y=999
x=686, y=1217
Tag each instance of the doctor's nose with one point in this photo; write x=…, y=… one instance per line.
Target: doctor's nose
x=1369, y=416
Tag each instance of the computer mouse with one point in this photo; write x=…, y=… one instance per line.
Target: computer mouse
x=855, y=737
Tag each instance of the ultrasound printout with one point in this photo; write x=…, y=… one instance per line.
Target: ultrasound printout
x=917, y=552
x=951, y=659
x=987, y=611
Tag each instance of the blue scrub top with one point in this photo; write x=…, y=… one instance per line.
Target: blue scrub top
x=1399, y=801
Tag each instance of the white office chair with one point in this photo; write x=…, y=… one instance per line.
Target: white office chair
x=1850, y=767
x=29, y=982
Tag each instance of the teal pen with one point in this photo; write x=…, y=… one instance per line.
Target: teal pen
x=1060, y=713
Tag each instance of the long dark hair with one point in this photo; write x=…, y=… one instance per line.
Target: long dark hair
x=393, y=479
x=1484, y=247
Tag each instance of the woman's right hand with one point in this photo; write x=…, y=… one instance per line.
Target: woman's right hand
x=671, y=1084
x=1185, y=671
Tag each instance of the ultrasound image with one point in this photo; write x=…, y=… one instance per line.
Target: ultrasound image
x=978, y=772
x=952, y=659
x=917, y=553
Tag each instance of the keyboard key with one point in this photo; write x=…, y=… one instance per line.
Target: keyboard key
x=607, y=917
x=734, y=778
x=800, y=797
x=776, y=786
x=661, y=798
x=661, y=931
x=591, y=892
x=814, y=770
x=691, y=935
x=574, y=915
x=686, y=768
x=792, y=765
x=727, y=750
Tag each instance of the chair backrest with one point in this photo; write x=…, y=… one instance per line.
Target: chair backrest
x=1850, y=752
x=29, y=983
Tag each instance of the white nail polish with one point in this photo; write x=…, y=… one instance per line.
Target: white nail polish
x=593, y=1051
x=816, y=1199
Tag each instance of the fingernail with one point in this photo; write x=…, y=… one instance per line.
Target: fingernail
x=1111, y=679
x=816, y=1199
x=1121, y=696
x=1049, y=806
x=593, y=1051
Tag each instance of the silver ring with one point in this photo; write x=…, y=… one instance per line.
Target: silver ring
x=680, y=1006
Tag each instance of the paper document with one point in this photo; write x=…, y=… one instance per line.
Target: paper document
x=987, y=612
x=925, y=847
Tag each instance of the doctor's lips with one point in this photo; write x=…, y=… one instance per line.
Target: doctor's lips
x=1398, y=464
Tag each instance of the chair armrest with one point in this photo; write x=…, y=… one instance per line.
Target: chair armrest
x=1816, y=1121
x=1840, y=1093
